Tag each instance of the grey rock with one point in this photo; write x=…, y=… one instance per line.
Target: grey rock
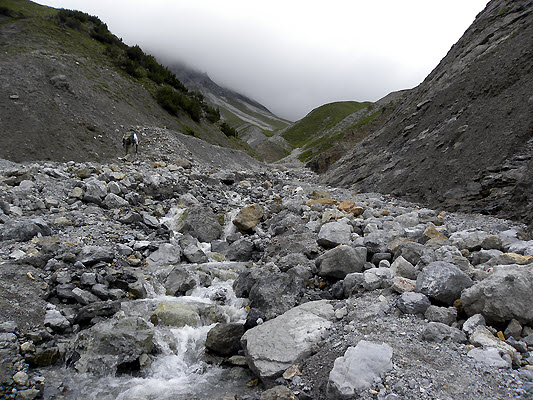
x=292, y=260
x=275, y=293
x=482, y=256
x=240, y=250
x=413, y=303
x=376, y=278
x=489, y=356
x=484, y=338
x=191, y=250
x=359, y=368
x=506, y=294
x=150, y=221
x=110, y=344
x=22, y=231
x=352, y=283
x=61, y=82
x=437, y=332
x=28, y=394
x=114, y=201
x=95, y=191
x=473, y=322
x=519, y=345
x=275, y=345
x=88, y=279
x=101, y=291
x=166, y=254
x=83, y=296
x=131, y=218
x=529, y=339
x=90, y=255
x=64, y=291
x=9, y=350
x=377, y=242
x=114, y=188
x=514, y=329
x=444, y=315
x=21, y=378
x=334, y=233
x=442, y=281
x=97, y=309
x=471, y=240
x=377, y=258
x=341, y=261
x=225, y=339
x=56, y=321
x=402, y=267
x=411, y=252
x=201, y=223
x=408, y=220
x=179, y=281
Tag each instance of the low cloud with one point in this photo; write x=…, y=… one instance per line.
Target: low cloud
x=293, y=56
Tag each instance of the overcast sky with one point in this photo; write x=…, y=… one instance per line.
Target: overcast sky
x=294, y=55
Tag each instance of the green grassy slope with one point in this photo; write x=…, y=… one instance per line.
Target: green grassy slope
x=111, y=84
x=323, y=127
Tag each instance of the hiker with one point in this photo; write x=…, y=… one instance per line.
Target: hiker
x=129, y=139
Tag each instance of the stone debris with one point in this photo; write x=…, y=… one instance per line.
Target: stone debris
x=320, y=279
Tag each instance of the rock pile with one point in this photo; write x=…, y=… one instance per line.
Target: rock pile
x=426, y=304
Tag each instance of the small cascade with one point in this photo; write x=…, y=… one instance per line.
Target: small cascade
x=179, y=369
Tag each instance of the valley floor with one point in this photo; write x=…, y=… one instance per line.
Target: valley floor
x=115, y=275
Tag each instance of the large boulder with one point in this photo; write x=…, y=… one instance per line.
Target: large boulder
x=359, y=368
x=505, y=294
x=341, y=261
x=334, y=233
x=179, y=314
x=90, y=255
x=439, y=332
x=95, y=191
x=225, y=339
x=166, y=254
x=276, y=292
x=275, y=345
x=201, y=223
x=179, y=281
x=114, y=201
x=413, y=303
x=240, y=250
x=248, y=217
x=442, y=281
x=22, y=231
x=112, y=346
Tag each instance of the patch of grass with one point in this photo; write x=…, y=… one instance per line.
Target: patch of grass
x=503, y=11
x=319, y=120
x=318, y=146
x=189, y=131
x=27, y=8
x=366, y=120
x=227, y=129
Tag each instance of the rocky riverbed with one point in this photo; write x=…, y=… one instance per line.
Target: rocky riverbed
x=174, y=279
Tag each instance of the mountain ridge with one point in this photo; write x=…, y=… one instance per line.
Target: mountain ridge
x=462, y=139
x=70, y=89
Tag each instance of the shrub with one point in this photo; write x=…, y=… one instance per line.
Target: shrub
x=227, y=129
x=189, y=131
x=213, y=114
x=172, y=100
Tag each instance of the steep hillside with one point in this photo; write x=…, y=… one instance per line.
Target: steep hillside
x=69, y=89
x=254, y=123
x=240, y=111
x=463, y=139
